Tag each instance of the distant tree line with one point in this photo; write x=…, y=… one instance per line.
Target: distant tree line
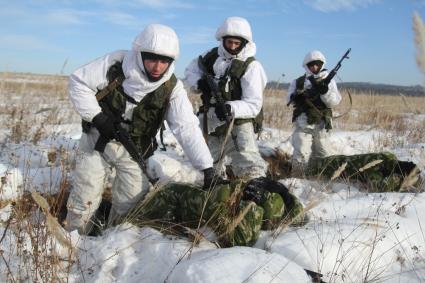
x=360, y=87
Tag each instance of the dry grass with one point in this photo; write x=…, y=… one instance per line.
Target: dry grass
x=368, y=111
x=32, y=103
x=35, y=103
x=33, y=106
x=419, y=31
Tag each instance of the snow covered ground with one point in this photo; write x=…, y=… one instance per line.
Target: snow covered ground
x=352, y=236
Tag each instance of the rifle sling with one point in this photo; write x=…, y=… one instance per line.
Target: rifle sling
x=109, y=88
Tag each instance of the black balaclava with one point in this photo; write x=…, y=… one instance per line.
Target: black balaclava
x=153, y=56
x=237, y=50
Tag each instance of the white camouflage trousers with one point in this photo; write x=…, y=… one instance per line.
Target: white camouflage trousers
x=245, y=163
x=309, y=142
x=90, y=177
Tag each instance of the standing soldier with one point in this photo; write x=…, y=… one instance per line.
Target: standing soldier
x=142, y=92
x=235, y=91
x=312, y=100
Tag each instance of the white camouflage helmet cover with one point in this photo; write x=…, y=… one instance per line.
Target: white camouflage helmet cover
x=158, y=39
x=314, y=55
x=234, y=26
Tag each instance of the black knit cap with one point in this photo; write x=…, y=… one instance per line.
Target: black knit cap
x=315, y=62
x=153, y=56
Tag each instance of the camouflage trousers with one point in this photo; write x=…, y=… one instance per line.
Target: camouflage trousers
x=378, y=171
x=234, y=221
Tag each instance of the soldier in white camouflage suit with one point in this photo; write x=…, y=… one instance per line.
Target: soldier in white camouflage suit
x=312, y=116
x=241, y=80
x=148, y=94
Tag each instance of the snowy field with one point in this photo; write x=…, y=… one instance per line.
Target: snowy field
x=352, y=236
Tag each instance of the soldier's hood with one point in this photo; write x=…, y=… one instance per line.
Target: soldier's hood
x=313, y=56
x=155, y=38
x=158, y=39
x=234, y=26
x=136, y=83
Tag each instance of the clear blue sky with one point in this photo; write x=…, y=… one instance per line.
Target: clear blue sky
x=39, y=36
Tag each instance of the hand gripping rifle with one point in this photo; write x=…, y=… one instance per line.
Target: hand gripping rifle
x=328, y=78
x=219, y=101
x=121, y=134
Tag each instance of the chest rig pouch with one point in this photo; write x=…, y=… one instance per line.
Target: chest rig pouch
x=230, y=87
x=309, y=102
x=147, y=116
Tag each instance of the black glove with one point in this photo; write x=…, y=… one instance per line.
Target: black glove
x=322, y=88
x=211, y=179
x=255, y=188
x=203, y=86
x=105, y=125
x=221, y=113
x=253, y=194
x=298, y=97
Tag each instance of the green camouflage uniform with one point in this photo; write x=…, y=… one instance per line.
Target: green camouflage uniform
x=235, y=221
x=380, y=172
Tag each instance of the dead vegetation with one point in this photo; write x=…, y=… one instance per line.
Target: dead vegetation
x=35, y=104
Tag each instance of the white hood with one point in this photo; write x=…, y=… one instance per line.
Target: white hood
x=313, y=56
x=234, y=26
x=158, y=39
x=155, y=38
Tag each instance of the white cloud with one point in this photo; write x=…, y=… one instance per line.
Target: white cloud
x=199, y=35
x=337, y=5
x=123, y=19
x=24, y=42
x=164, y=3
x=12, y=12
x=67, y=17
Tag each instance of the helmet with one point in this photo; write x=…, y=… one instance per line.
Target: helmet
x=158, y=39
x=234, y=26
x=314, y=55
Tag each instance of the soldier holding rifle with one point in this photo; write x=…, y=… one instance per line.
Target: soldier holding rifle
x=123, y=98
x=312, y=95
x=232, y=84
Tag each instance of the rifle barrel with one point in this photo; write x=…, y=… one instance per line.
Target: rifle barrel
x=333, y=72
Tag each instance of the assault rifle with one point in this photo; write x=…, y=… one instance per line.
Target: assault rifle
x=219, y=101
x=122, y=136
x=333, y=72
x=326, y=80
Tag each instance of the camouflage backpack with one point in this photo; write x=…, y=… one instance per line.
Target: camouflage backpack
x=379, y=172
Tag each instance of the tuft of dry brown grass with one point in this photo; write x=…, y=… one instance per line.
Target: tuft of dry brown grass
x=276, y=113
x=33, y=103
x=419, y=32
